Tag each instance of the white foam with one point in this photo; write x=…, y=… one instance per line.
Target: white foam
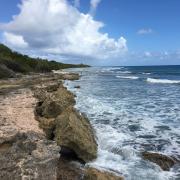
x=125, y=72
x=164, y=81
x=128, y=77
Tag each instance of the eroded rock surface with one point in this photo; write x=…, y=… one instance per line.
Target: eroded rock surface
x=25, y=153
x=60, y=121
x=165, y=162
x=95, y=174
x=75, y=132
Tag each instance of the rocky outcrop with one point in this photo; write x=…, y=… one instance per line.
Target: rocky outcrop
x=53, y=104
x=28, y=156
x=74, y=131
x=70, y=76
x=60, y=121
x=68, y=170
x=95, y=174
x=25, y=153
x=165, y=162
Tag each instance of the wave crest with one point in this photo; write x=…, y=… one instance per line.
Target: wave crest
x=128, y=77
x=164, y=81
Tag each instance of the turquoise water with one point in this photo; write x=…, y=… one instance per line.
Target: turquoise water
x=132, y=109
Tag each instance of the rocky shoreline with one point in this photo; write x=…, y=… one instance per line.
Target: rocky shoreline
x=42, y=135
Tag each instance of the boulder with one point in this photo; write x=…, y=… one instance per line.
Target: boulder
x=165, y=162
x=28, y=156
x=52, y=104
x=95, y=174
x=70, y=76
x=74, y=132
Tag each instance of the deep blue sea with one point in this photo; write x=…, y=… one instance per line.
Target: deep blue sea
x=132, y=109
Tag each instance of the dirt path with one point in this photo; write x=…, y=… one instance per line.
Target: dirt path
x=17, y=112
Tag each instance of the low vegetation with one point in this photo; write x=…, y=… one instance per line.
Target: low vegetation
x=13, y=62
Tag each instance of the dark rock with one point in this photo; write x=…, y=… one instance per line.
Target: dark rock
x=77, y=87
x=75, y=132
x=68, y=170
x=165, y=162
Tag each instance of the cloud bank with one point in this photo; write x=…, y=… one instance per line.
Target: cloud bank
x=56, y=27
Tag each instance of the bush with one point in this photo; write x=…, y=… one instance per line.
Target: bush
x=17, y=62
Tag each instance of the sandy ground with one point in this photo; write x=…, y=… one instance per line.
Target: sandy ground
x=17, y=111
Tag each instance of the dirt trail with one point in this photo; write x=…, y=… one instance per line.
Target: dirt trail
x=17, y=111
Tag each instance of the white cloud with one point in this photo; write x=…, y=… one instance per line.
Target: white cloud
x=145, y=31
x=93, y=6
x=56, y=27
x=15, y=40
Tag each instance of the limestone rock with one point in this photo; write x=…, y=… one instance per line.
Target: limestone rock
x=165, y=162
x=28, y=156
x=74, y=131
x=52, y=104
x=70, y=76
x=48, y=126
x=94, y=174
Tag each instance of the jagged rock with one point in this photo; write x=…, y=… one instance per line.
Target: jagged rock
x=70, y=76
x=52, y=104
x=68, y=170
x=48, y=126
x=165, y=162
x=74, y=131
x=94, y=174
x=28, y=156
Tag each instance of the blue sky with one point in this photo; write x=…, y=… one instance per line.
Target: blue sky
x=150, y=27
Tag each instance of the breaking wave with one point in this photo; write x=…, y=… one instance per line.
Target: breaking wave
x=164, y=81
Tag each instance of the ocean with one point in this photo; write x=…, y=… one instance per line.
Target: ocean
x=132, y=109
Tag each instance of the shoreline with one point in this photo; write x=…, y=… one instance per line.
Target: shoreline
x=37, y=102
x=55, y=168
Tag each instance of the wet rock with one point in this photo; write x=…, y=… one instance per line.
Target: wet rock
x=74, y=131
x=94, y=174
x=77, y=87
x=28, y=156
x=165, y=162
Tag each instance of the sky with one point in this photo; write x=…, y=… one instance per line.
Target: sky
x=96, y=32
